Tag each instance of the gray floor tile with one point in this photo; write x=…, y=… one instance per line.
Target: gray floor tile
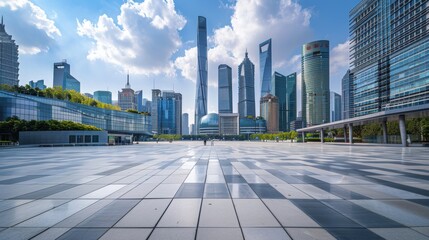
x=83, y=233
x=253, y=213
x=218, y=213
x=216, y=190
x=241, y=190
x=309, y=234
x=219, y=233
x=145, y=214
x=173, y=234
x=265, y=233
x=51, y=233
x=19, y=233
x=288, y=214
x=126, y=233
x=399, y=233
x=164, y=191
x=181, y=213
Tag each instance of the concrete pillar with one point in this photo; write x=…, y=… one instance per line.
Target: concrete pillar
x=384, y=128
x=303, y=136
x=345, y=133
x=403, y=130
x=321, y=136
x=351, y=133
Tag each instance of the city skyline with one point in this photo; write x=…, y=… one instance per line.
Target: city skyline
x=76, y=36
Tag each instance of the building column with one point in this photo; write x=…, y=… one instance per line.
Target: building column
x=351, y=133
x=384, y=128
x=321, y=136
x=345, y=133
x=303, y=137
x=403, y=130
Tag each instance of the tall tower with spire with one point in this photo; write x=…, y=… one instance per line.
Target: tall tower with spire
x=246, y=88
x=126, y=97
x=9, y=65
x=201, y=94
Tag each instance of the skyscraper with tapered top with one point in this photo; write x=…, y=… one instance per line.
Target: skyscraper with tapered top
x=246, y=88
x=9, y=65
x=265, y=67
x=201, y=94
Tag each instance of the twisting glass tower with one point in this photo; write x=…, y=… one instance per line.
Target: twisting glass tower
x=201, y=94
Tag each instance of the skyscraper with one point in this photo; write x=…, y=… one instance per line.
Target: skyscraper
x=347, y=95
x=201, y=94
x=166, y=112
x=126, y=97
x=335, y=107
x=139, y=100
x=265, y=65
x=185, y=124
x=63, y=77
x=40, y=84
x=284, y=88
x=103, y=96
x=389, y=66
x=246, y=88
x=224, y=89
x=315, y=83
x=9, y=66
x=270, y=112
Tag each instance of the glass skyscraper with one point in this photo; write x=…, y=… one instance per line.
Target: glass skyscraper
x=103, y=96
x=224, y=89
x=201, y=94
x=63, y=77
x=347, y=95
x=315, y=83
x=284, y=88
x=139, y=100
x=166, y=112
x=9, y=66
x=389, y=55
x=40, y=84
x=185, y=124
x=335, y=107
x=246, y=88
x=265, y=65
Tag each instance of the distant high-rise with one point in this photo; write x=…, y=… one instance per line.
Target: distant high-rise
x=126, y=97
x=139, y=100
x=284, y=88
x=270, y=112
x=315, y=83
x=166, y=112
x=63, y=78
x=185, y=124
x=9, y=66
x=147, y=105
x=224, y=89
x=347, y=96
x=246, y=88
x=389, y=45
x=201, y=94
x=40, y=84
x=103, y=96
x=265, y=66
x=89, y=95
x=335, y=107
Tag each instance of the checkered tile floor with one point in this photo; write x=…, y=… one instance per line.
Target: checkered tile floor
x=233, y=190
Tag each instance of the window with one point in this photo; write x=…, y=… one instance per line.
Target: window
x=80, y=139
x=95, y=138
x=87, y=138
x=72, y=139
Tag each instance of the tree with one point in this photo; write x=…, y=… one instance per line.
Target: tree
x=293, y=135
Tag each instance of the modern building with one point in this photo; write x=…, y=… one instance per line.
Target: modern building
x=347, y=95
x=192, y=128
x=147, y=105
x=40, y=84
x=103, y=96
x=315, y=83
x=296, y=124
x=185, y=124
x=284, y=88
x=265, y=66
x=9, y=65
x=88, y=95
x=229, y=124
x=63, y=77
x=335, y=106
x=139, y=100
x=126, y=97
x=201, y=94
x=251, y=125
x=28, y=107
x=246, y=88
x=209, y=124
x=389, y=65
x=270, y=112
x=224, y=89
x=166, y=112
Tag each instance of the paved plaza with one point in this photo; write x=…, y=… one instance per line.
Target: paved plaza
x=233, y=190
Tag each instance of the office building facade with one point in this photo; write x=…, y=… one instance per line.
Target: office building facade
x=9, y=65
x=270, y=112
x=347, y=95
x=389, y=66
x=265, y=66
x=40, y=84
x=126, y=97
x=139, y=100
x=103, y=96
x=335, y=107
x=284, y=88
x=202, y=68
x=166, y=112
x=63, y=77
x=224, y=89
x=315, y=83
x=185, y=124
x=246, y=88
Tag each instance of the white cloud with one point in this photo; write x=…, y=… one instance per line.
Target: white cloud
x=339, y=58
x=29, y=26
x=143, y=39
x=253, y=22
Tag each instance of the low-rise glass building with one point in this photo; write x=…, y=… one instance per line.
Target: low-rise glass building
x=29, y=107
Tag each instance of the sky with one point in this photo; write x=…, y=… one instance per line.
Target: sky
x=155, y=41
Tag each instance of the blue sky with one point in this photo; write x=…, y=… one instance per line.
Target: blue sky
x=155, y=40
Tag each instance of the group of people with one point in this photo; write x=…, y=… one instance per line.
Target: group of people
x=205, y=142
